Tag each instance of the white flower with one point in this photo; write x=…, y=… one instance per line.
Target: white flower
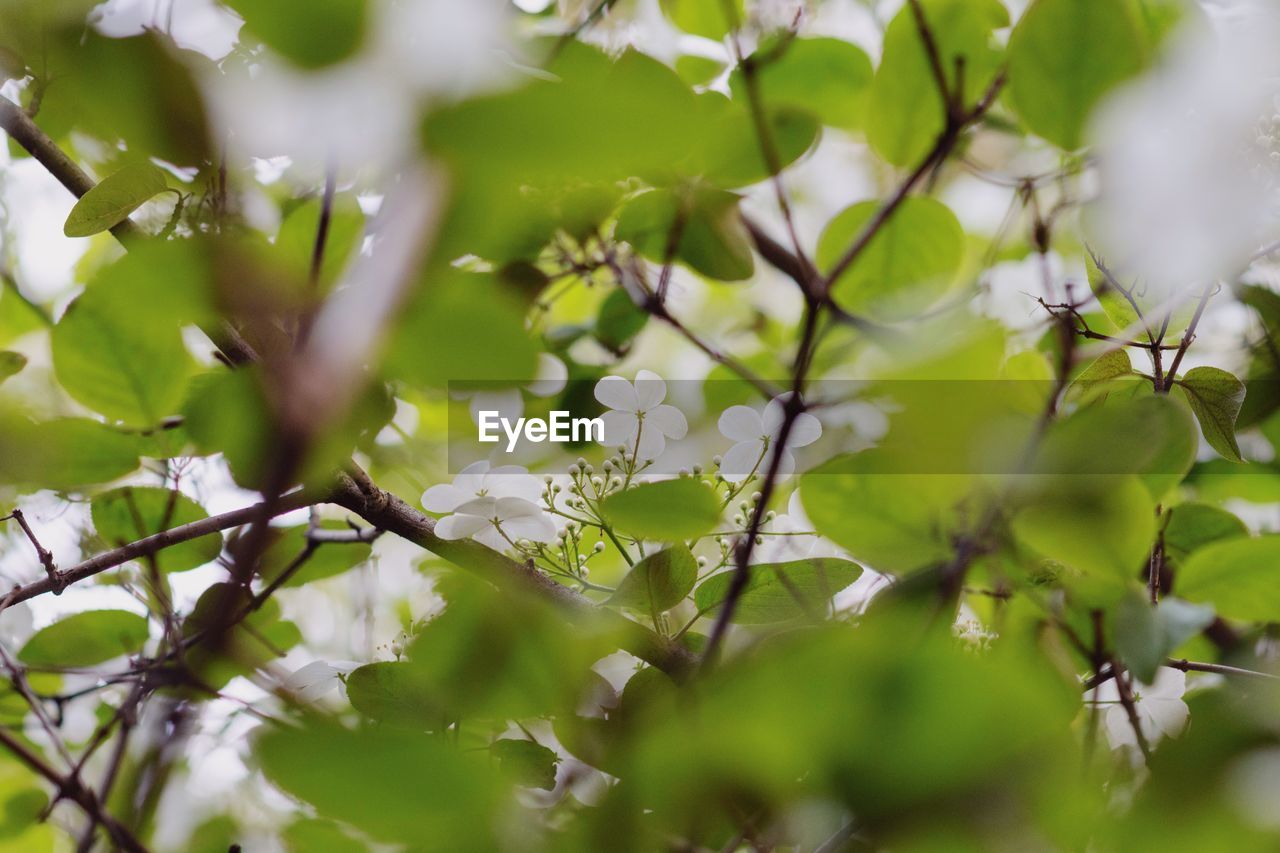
x=756, y=432
x=495, y=506
x=317, y=679
x=638, y=419
x=509, y=402
x=16, y=625
x=1160, y=708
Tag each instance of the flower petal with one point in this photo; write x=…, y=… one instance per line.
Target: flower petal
x=551, y=378
x=619, y=428
x=651, y=444
x=444, y=498
x=512, y=481
x=485, y=507
x=741, y=423
x=806, y=430
x=617, y=393
x=536, y=528
x=741, y=460
x=460, y=526
x=650, y=389
x=515, y=508
x=471, y=478
x=667, y=420
x=773, y=416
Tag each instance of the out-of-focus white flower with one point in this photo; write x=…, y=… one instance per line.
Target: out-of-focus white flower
x=496, y=506
x=756, y=433
x=638, y=419
x=16, y=625
x=1160, y=708
x=509, y=402
x=968, y=628
x=317, y=679
x=444, y=48
x=1190, y=158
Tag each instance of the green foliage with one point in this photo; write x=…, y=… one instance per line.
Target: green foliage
x=529, y=764
x=909, y=111
x=359, y=776
x=1191, y=526
x=700, y=224
x=114, y=198
x=85, y=639
x=669, y=510
x=658, y=582
x=619, y=321
x=11, y=364
x=828, y=77
x=1237, y=576
x=1146, y=634
x=311, y=33
x=781, y=592
x=1064, y=56
x=393, y=693
x=1215, y=397
x=134, y=512
x=713, y=20
x=907, y=265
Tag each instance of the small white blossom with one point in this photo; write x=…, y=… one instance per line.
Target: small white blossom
x=757, y=432
x=638, y=419
x=495, y=506
x=1160, y=708
x=317, y=679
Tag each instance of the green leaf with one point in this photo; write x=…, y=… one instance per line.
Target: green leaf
x=529, y=764
x=310, y=33
x=710, y=236
x=827, y=77
x=658, y=582
x=698, y=70
x=781, y=592
x=704, y=18
x=1215, y=397
x=296, y=239
x=134, y=512
x=1192, y=526
x=328, y=560
x=11, y=364
x=1102, y=525
x=1064, y=56
x=909, y=263
x=888, y=519
x=907, y=110
x=65, y=453
x=309, y=834
x=619, y=321
x=259, y=637
x=1239, y=577
x=728, y=154
x=668, y=511
x=1147, y=634
x=118, y=348
x=1114, y=364
x=361, y=776
x=87, y=638
x=111, y=201
x=392, y=692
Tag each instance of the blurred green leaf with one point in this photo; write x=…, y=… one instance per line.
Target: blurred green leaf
x=114, y=198
x=360, y=776
x=1239, y=577
x=310, y=33
x=666, y=511
x=908, y=110
x=329, y=559
x=701, y=224
x=1215, y=397
x=124, y=515
x=1064, y=56
x=393, y=693
x=65, y=453
x=11, y=364
x=706, y=18
x=309, y=834
x=619, y=321
x=1113, y=364
x=658, y=582
x=1191, y=526
x=529, y=764
x=86, y=638
x=781, y=592
x=908, y=264
x=296, y=239
x=827, y=77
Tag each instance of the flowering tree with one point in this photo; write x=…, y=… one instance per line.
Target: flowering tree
x=934, y=351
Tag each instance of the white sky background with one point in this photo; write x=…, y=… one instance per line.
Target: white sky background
x=380, y=89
